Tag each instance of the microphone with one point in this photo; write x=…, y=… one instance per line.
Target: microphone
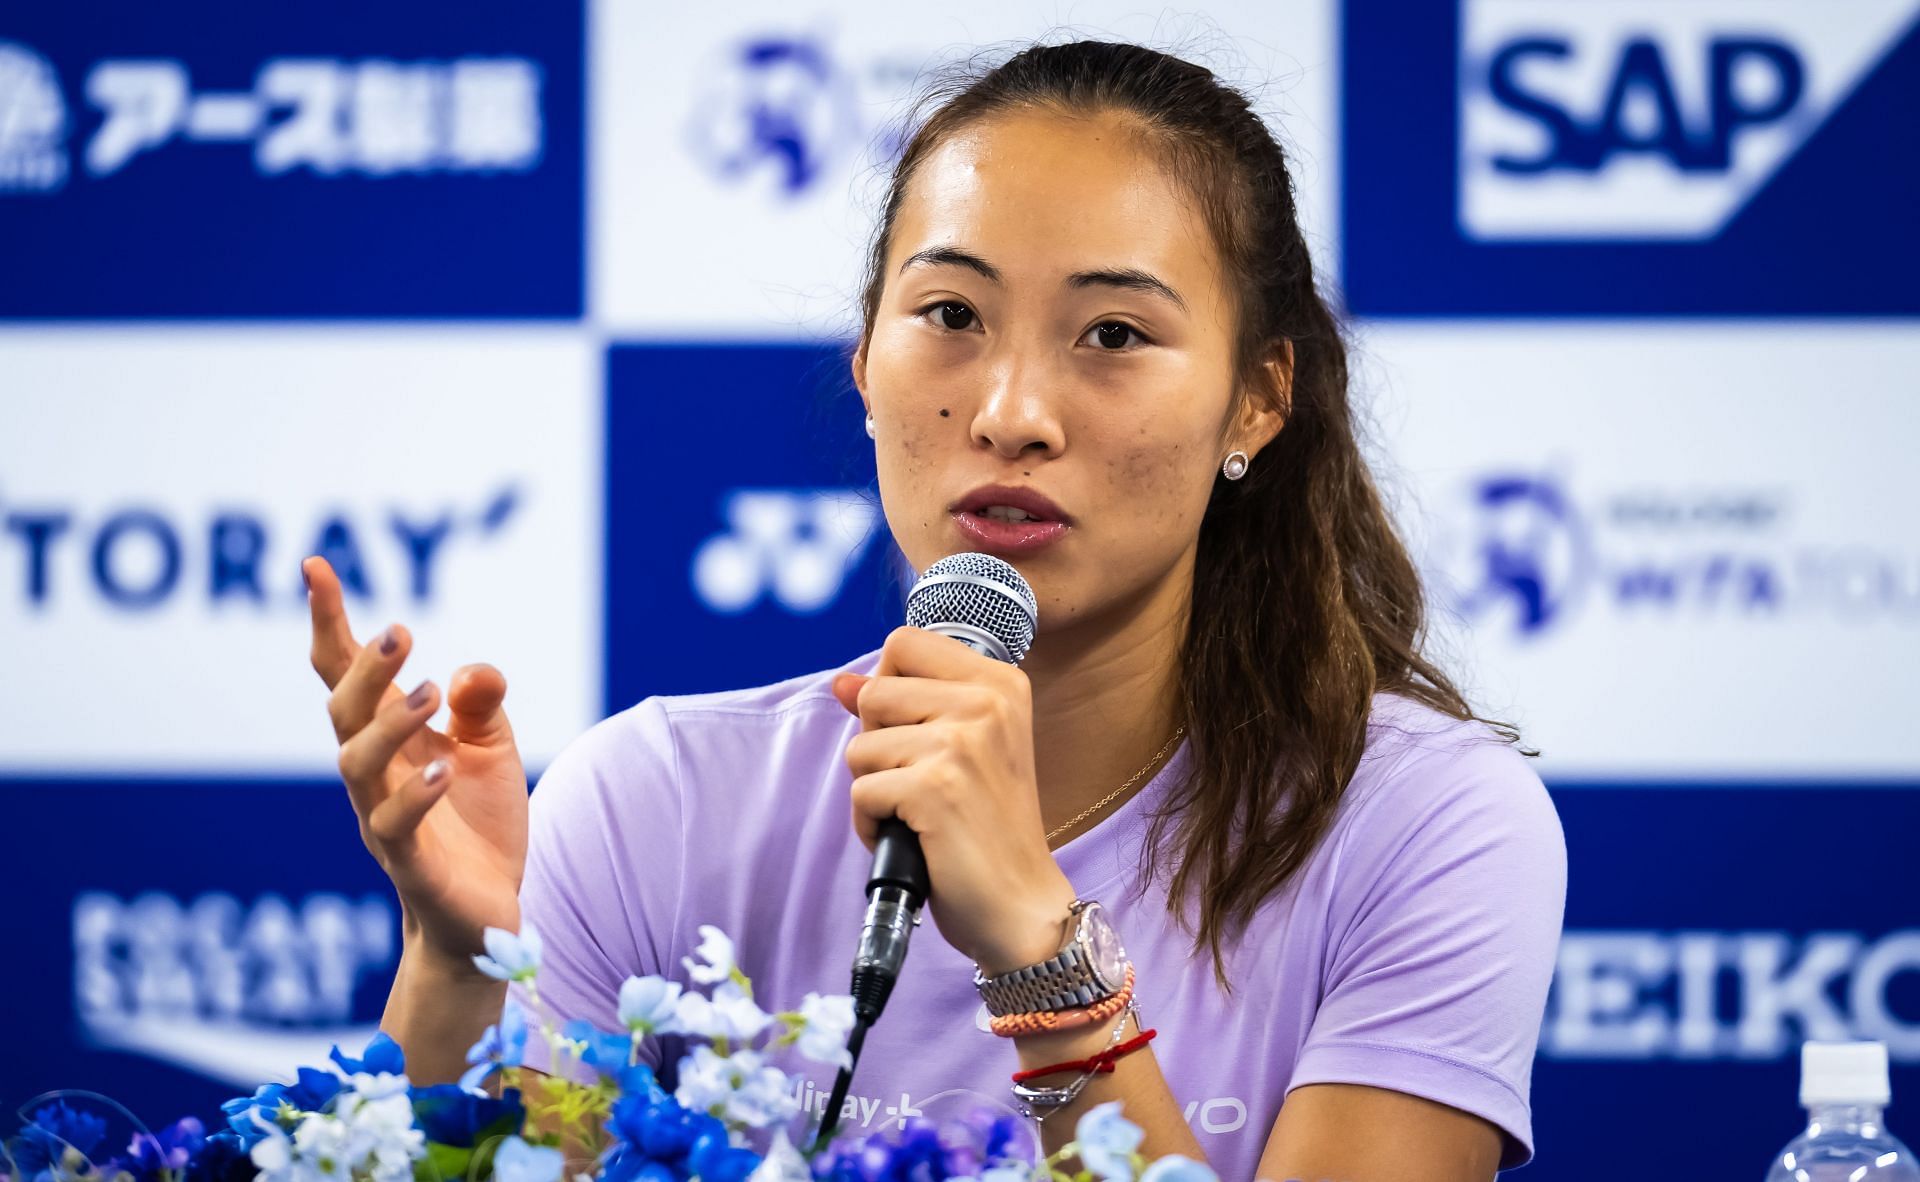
x=982, y=602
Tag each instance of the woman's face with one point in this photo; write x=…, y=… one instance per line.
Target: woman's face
x=1054, y=319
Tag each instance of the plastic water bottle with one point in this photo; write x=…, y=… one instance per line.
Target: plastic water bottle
x=1843, y=1087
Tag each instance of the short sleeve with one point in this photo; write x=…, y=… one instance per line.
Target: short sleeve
x=603, y=878
x=1444, y=922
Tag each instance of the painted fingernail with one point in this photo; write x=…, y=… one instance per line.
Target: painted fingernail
x=436, y=771
x=418, y=697
x=388, y=643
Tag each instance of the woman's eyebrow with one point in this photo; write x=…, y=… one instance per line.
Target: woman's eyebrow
x=1126, y=278
x=1130, y=279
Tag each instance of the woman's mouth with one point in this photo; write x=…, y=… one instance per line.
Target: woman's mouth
x=1004, y=530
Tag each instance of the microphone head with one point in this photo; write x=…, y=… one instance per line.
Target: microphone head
x=979, y=599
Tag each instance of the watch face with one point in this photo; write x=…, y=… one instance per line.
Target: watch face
x=1103, y=947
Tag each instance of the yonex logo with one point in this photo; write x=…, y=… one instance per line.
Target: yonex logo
x=1646, y=119
x=798, y=545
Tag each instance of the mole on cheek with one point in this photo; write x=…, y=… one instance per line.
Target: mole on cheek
x=944, y=412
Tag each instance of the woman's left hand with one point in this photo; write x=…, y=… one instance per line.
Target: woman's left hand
x=946, y=745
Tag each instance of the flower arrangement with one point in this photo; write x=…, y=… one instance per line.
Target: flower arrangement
x=728, y=1119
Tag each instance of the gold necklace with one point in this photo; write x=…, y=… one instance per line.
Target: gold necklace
x=1097, y=805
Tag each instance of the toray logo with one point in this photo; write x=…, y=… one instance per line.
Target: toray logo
x=776, y=107
x=1521, y=554
x=143, y=557
x=1646, y=119
x=33, y=123
x=799, y=546
x=238, y=991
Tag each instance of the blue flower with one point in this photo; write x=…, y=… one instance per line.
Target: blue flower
x=382, y=1057
x=714, y=1158
x=1107, y=1141
x=151, y=1155
x=503, y=1045
x=450, y=1115
x=222, y=1159
x=510, y=957
x=50, y=1131
x=517, y=1161
x=1175, y=1168
x=312, y=1092
x=607, y=1051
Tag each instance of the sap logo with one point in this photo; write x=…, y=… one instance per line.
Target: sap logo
x=330, y=117
x=1526, y=553
x=141, y=557
x=239, y=991
x=776, y=106
x=33, y=123
x=1648, y=119
x=798, y=545
x=1726, y=995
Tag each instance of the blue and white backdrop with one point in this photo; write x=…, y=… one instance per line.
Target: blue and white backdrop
x=529, y=317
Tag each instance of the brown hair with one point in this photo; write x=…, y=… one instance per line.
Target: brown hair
x=1305, y=601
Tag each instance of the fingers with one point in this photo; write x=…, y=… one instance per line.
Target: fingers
x=908, y=701
x=366, y=756
x=916, y=652
x=367, y=678
x=878, y=795
x=333, y=644
x=474, y=701
x=395, y=822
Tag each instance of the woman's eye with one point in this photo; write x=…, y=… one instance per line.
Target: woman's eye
x=1113, y=335
x=957, y=317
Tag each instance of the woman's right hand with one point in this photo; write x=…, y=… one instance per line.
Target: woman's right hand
x=445, y=814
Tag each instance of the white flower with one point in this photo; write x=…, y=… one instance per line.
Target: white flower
x=1107, y=1141
x=783, y=1163
x=729, y=1014
x=1175, y=1168
x=648, y=1004
x=764, y=1097
x=740, y=1088
x=519, y=1161
x=707, y=1078
x=510, y=957
x=716, y=949
x=1007, y=1174
x=377, y=1086
x=828, y=1022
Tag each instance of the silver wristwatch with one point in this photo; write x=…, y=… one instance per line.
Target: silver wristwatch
x=1090, y=965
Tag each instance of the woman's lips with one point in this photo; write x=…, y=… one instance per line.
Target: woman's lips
x=996, y=536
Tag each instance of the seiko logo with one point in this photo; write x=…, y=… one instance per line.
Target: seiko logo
x=1726, y=995
x=1648, y=119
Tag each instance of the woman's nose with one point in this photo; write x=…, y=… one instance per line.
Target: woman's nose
x=1017, y=416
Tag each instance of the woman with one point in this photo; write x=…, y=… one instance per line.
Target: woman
x=1091, y=344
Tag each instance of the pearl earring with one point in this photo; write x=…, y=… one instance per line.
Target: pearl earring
x=1236, y=465
x=870, y=433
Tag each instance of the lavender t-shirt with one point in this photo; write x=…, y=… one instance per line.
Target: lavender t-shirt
x=1412, y=951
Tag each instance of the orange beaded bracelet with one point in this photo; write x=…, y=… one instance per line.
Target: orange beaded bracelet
x=1054, y=1021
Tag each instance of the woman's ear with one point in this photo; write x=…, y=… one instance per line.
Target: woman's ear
x=1268, y=404
x=860, y=372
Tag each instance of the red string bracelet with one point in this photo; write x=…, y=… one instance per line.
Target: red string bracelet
x=1102, y=1062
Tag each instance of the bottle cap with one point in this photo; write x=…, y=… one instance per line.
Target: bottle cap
x=1844, y=1073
